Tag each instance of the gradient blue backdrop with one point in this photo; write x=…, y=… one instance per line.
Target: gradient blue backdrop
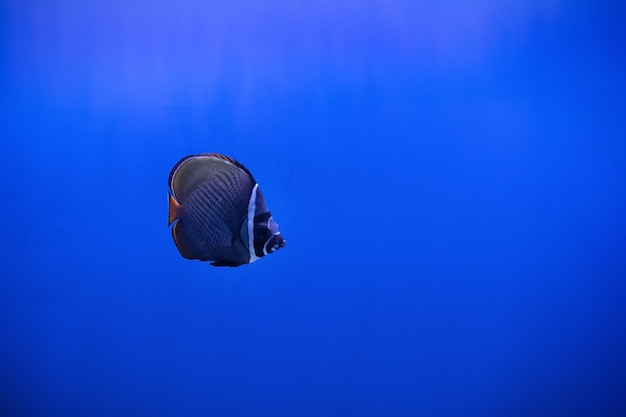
x=450, y=178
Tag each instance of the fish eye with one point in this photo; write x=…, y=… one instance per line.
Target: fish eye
x=262, y=233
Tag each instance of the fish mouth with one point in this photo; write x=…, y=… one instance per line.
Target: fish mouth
x=276, y=242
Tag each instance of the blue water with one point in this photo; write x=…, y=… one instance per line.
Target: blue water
x=450, y=179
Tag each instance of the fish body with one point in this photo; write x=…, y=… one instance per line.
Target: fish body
x=219, y=212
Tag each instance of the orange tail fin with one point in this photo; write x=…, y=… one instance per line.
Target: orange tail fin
x=174, y=211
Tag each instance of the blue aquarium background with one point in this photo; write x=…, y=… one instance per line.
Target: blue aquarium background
x=450, y=178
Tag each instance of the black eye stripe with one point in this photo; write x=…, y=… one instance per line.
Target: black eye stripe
x=262, y=233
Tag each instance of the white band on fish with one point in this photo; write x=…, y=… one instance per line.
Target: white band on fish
x=251, y=212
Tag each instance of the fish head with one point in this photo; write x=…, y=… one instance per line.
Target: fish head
x=262, y=230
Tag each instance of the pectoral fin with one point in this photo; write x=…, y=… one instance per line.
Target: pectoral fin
x=224, y=263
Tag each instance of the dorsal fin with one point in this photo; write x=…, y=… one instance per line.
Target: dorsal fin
x=227, y=159
x=206, y=155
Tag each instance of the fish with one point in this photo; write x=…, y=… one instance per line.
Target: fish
x=219, y=212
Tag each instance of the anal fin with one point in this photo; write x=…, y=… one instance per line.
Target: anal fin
x=182, y=242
